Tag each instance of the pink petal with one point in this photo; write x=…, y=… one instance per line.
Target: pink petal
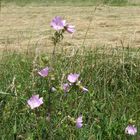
x=44, y=72
x=131, y=130
x=57, y=23
x=79, y=122
x=34, y=101
x=73, y=77
x=70, y=29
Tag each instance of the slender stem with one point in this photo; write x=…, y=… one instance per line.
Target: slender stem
x=36, y=125
x=49, y=105
x=49, y=96
x=91, y=19
x=49, y=114
x=54, y=48
x=56, y=40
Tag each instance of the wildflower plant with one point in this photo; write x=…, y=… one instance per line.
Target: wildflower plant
x=60, y=26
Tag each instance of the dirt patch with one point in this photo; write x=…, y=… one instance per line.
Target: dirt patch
x=29, y=27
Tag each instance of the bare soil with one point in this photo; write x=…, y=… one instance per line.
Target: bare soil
x=28, y=27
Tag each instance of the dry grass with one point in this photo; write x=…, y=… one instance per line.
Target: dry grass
x=28, y=27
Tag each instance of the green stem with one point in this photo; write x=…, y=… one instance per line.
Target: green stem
x=54, y=49
x=35, y=113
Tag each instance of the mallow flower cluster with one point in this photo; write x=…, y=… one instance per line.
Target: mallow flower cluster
x=35, y=101
x=73, y=79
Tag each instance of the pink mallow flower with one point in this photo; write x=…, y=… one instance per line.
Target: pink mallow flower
x=44, y=72
x=79, y=122
x=131, y=130
x=58, y=24
x=70, y=29
x=65, y=87
x=35, y=101
x=72, y=78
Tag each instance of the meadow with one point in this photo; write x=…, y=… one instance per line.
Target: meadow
x=104, y=51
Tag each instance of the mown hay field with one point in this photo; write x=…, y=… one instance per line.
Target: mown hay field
x=27, y=27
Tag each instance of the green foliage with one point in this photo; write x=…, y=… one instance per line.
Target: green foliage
x=66, y=2
x=116, y=2
x=111, y=75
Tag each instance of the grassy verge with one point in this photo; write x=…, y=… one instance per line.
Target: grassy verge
x=70, y=2
x=111, y=75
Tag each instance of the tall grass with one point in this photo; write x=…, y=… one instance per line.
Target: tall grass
x=111, y=75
